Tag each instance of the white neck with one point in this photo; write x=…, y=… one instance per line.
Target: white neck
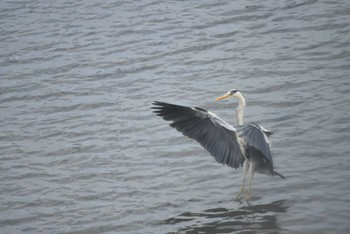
x=240, y=108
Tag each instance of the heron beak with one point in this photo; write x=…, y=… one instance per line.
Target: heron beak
x=223, y=97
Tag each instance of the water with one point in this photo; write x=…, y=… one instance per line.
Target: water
x=81, y=151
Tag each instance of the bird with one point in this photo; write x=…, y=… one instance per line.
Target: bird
x=241, y=145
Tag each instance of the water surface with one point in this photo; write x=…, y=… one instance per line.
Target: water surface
x=81, y=151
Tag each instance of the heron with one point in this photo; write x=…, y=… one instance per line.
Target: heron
x=241, y=145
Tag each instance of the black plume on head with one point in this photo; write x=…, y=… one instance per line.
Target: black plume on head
x=233, y=91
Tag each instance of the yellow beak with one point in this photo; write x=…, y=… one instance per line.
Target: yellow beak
x=223, y=97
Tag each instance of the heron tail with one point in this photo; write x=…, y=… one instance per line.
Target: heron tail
x=276, y=173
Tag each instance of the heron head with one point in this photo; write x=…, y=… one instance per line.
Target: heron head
x=229, y=94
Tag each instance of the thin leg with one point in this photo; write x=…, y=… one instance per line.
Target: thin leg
x=251, y=174
x=245, y=171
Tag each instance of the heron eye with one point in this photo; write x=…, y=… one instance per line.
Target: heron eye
x=233, y=91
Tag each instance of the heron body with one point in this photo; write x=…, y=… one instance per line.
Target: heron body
x=246, y=145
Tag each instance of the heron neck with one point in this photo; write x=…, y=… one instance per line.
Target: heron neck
x=240, y=109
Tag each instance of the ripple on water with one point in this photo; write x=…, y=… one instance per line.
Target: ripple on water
x=81, y=151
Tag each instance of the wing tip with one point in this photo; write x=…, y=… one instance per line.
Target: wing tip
x=276, y=173
x=158, y=103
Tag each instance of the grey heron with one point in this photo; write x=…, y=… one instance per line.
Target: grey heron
x=246, y=145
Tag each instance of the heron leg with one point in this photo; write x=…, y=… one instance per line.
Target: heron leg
x=245, y=170
x=251, y=174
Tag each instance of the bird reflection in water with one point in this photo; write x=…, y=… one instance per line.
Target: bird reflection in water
x=248, y=219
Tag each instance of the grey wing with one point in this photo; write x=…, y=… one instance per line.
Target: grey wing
x=215, y=135
x=256, y=136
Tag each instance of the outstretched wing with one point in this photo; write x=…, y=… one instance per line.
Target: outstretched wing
x=256, y=136
x=215, y=135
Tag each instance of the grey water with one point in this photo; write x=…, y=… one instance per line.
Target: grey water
x=81, y=151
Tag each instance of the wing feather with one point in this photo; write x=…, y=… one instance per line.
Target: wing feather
x=215, y=135
x=255, y=136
